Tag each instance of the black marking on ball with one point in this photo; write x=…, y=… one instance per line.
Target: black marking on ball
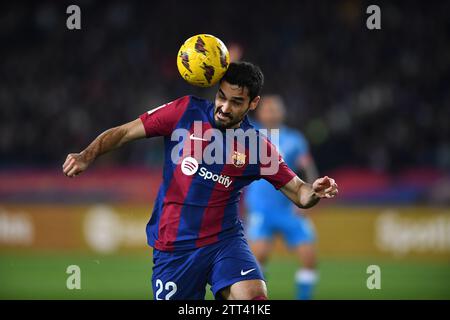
x=223, y=58
x=200, y=46
x=209, y=72
x=185, y=61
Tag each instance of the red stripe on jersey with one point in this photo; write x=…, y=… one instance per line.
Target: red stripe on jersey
x=168, y=227
x=161, y=121
x=176, y=194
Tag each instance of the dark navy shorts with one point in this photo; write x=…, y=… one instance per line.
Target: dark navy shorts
x=183, y=275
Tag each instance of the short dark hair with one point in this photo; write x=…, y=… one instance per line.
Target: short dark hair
x=245, y=75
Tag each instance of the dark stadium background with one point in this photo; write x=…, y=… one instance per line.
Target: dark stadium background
x=374, y=104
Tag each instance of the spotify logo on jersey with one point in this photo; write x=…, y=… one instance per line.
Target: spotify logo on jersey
x=189, y=166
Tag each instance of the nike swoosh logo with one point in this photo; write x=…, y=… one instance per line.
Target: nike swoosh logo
x=243, y=273
x=196, y=138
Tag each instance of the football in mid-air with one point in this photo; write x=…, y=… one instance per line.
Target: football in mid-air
x=203, y=60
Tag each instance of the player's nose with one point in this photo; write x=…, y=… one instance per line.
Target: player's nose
x=226, y=108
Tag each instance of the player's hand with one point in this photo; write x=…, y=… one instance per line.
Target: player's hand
x=325, y=187
x=74, y=164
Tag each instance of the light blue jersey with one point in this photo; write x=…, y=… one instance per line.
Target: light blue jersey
x=269, y=210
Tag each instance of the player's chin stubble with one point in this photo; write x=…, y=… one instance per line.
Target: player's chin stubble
x=223, y=124
x=232, y=122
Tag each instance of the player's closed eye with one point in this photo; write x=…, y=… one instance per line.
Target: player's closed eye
x=221, y=96
x=236, y=103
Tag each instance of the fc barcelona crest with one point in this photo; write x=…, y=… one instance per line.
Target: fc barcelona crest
x=238, y=159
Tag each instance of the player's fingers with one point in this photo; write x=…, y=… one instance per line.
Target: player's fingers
x=70, y=157
x=326, y=181
x=328, y=190
x=320, y=183
x=66, y=162
x=332, y=187
x=68, y=168
x=323, y=179
x=331, y=194
x=328, y=193
x=73, y=171
x=69, y=162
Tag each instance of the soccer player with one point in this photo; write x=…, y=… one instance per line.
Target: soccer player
x=195, y=232
x=270, y=212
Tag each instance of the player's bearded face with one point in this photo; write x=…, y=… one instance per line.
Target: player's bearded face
x=232, y=104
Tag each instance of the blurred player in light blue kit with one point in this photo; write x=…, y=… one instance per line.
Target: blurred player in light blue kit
x=269, y=212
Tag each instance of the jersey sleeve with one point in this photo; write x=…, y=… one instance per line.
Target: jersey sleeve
x=161, y=121
x=280, y=174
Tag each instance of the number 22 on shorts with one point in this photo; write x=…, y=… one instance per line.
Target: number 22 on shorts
x=170, y=286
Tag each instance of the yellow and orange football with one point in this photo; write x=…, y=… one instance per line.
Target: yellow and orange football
x=203, y=60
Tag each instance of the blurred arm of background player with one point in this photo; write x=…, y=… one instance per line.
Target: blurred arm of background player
x=306, y=168
x=109, y=140
x=306, y=165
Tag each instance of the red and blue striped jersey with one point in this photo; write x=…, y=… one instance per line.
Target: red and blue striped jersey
x=197, y=203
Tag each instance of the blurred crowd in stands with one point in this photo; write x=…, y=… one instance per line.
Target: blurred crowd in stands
x=375, y=99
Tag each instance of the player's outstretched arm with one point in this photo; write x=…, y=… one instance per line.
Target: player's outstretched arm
x=306, y=195
x=109, y=140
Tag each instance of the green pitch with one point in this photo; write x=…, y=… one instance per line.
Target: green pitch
x=43, y=276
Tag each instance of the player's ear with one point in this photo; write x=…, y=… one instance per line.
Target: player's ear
x=254, y=102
